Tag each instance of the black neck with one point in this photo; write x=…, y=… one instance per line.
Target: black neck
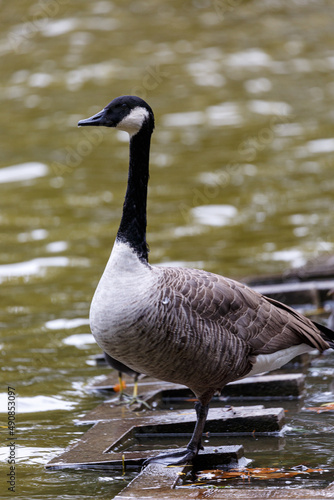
x=132, y=229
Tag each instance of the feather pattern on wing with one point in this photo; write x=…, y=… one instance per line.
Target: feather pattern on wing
x=202, y=330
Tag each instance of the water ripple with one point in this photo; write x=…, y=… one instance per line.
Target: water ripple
x=61, y=323
x=36, y=404
x=23, y=172
x=31, y=267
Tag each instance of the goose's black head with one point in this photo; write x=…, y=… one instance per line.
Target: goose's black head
x=129, y=113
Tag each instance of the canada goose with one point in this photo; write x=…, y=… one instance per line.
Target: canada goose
x=181, y=325
x=121, y=368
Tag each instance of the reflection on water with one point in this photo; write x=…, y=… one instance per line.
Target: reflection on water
x=241, y=175
x=37, y=404
x=23, y=172
x=34, y=266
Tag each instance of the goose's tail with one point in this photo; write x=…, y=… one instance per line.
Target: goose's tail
x=326, y=333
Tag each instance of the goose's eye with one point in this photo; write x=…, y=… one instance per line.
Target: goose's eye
x=124, y=105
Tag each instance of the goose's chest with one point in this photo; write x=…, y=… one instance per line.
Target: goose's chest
x=121, y=298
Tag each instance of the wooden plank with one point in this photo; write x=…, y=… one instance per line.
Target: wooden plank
x=108, y=442
x=277, y=386
x=294, y=286
x=163, y=483
x=297, y=293
x=157, y=476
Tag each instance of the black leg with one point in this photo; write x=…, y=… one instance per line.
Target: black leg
x=195, y=442
x=186, y=455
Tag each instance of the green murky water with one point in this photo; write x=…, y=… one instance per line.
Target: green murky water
x=241, y=177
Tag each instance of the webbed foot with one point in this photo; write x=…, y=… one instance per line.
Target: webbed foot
x=140, y=402
x=128, y=400
x=184, y=456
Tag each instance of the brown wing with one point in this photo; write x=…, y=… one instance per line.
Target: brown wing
x=311, y=333
x=264, y=324
x=213, y=327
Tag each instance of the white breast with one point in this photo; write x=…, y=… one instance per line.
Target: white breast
x=120, y=297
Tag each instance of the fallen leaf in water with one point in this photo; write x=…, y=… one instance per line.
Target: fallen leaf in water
x=263, y=473
x=322, y=408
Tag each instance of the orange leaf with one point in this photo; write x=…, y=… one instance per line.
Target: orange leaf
x=256, y=473
x=322, y=408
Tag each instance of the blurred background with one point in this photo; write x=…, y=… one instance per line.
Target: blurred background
x=241, y=176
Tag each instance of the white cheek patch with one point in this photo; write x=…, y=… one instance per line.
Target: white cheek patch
x=133, y=122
